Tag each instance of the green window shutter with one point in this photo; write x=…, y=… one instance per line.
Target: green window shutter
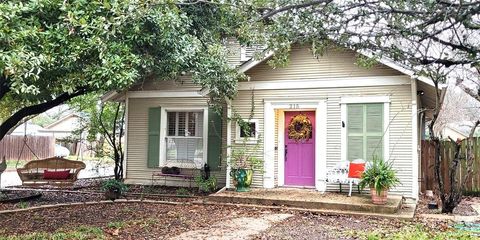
x=374, y=118
x=355, y=140
x=355, y=147
x=214, y=150
x=364, y=131
x=153, y=152
x=374, y=147
x=374, y=131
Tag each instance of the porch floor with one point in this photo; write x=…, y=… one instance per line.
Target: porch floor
x=309, y=199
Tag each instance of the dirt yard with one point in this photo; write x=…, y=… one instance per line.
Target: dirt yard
x=163, y=221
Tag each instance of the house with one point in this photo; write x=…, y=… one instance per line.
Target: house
x=63, y=127
x=28, y=129
x=459, y=130
x=354, y=112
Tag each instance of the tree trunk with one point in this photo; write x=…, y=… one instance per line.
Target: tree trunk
x=13, y=120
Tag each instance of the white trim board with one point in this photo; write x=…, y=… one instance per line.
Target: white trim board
x=325, y=83
x=320, y=108
x=163, y=130
x=247, y=140
x=386, y=122
x=415, y=147
x=365, y=99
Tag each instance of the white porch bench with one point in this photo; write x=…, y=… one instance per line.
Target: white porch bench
x=339, y=174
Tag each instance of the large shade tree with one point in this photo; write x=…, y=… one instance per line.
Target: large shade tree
x=54, y=50
x=437, y=39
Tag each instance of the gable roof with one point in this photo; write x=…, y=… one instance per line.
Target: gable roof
x=61, y=120
x=244, y=67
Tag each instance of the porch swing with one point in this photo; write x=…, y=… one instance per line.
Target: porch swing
x=54, y=171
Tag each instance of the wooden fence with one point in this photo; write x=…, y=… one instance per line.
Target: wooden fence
x=447, y=155
x=42, y=146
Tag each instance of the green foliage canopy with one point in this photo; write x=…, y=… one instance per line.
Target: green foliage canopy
x=53, y=48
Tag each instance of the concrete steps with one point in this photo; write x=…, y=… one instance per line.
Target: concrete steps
x=308, y=199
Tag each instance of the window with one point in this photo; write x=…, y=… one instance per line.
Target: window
x=365, y=131
x=247, y=131
x=184, y=140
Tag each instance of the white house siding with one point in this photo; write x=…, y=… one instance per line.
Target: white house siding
x=400, y=126
x=333, y=66
x=137, y=138
x=304, y=66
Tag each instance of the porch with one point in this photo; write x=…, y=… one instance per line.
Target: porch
x=312, y=200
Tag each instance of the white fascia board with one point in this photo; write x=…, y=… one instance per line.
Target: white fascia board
x=325, y=83
x=252, y=62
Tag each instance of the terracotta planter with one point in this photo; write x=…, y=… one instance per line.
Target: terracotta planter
x=242, y=179
x=378, y=199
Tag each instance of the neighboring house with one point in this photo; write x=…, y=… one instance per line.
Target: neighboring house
x=355, y=113
x=62, y=128
x=28, y=129
x=458, y=130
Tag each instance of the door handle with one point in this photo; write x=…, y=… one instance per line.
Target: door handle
x=286, y=151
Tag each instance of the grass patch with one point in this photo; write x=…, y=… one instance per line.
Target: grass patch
x=80, y=233
x=12, y=163
x=116, y=224
x=416, y=232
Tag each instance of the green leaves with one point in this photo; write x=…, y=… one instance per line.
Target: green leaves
x=48, y=47
x=379, y=175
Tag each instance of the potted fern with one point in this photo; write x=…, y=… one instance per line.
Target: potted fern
x=379, y=176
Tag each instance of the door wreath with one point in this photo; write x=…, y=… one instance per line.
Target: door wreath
x=300, y=128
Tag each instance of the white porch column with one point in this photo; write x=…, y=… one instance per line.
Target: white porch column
x=229, y=142
x=269, y=146
x=321, y=147
x=415, y=162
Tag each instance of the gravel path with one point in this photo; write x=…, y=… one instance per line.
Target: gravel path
x=237, y=228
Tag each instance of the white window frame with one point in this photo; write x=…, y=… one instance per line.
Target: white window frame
x=247, y=140
x=386, y=121
x=164, y=133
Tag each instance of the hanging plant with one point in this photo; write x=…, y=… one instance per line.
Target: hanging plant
x=300, y=128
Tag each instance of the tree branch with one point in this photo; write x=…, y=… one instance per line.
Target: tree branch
x=4, y=86
x=293, y=6
x=37, y=109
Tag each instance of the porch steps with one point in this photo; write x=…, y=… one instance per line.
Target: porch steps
x=308, y=199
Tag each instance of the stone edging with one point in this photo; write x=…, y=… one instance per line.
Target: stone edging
x=404, y=216
x=90, y=203
x=455, y=218
x=101, y=193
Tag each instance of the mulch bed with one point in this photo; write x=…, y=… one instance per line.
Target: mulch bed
x=95, y=185
x=8, y=196
x=146, y=220
x=463, y=209
x=319, y=226
x=49, y=198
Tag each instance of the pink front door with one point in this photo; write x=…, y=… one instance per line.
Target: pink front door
x=299, y=154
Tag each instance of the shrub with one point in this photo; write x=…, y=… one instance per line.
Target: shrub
x=114, y=184
x=379, y=175
x=206, y=185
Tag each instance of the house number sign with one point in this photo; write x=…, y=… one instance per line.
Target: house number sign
x=294, y=106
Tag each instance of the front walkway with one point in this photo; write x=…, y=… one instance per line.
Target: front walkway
x=313, y=200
